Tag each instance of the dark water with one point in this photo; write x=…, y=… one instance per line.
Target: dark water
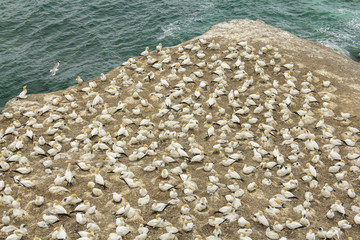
x=90, y=37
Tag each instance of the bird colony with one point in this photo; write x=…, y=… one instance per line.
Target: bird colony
x=206, y=140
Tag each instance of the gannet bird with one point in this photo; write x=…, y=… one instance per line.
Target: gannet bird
x=102, y=77
x=16, y=235
x=351, y=193
x=260, y=218
x=287, y=194
x=5, y=219
x=59, y=233
x=159, y=47
x=211, y=188
x=344, y=224
x=228, y=161
x=293, y=225
x=242, y=222
x=226, y=209
x=271, y=234
x=277, y=226
x=334, y=155
x=117, y=197
x=82, y=207
x=145, y=52
x=215, y=221
x=24, y=170
x=57, y=209
x=59, y=179
x=185, y=209
x=123, y=210
x=201, y=205
x=28, y=183
x=69, y=175
x=310, y=235
x=22, y=95
x=131, y=182
x=144, y=200
x=159, y=207
x=85, y=166
x=157, y=222
x=10, y=130
x=232, y=174
x=248, y=169
x=55, y=68
x=357, y=218
x=165, y=186
x=252, y=186
x=338, y=207
x=99, y=179
x=50, y=219
x=4, y=166
x=71, y=200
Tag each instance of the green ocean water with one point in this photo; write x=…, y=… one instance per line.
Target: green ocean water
x=90, y=37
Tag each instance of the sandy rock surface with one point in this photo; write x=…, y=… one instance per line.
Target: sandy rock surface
x=146, y=112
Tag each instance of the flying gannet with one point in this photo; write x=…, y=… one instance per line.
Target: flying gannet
x=55, y=69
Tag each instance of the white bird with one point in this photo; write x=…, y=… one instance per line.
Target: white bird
x=55, y=69
x=73, y=199
x=159, y=207
x=330, y=214
x=39, y=200
x=145, y=52
x=157, y=222
x=310, y=235
x=225, y=209
x=278, y=227
x=59, y=233
x=199, y=158
x=5, y=219
x=338, y=207
x=271, y=234
x=210, y=132
x=57, y=209
x=132, y=182
x=344, y=224
x=215, y=221
x=187, y=226
x=144, y=200
x=326, y=191
x=292, y=224
x=82, y=207
x=99, y=179
x=50, y=219
x=248, y=169
x=117, y=197
x=122, y=230
x=102, y=77
x=16, y=235
x=260, y=218
x=201, y=205
x=252, y=186
x=351, y=193
x=69, y=175
x=79, y=80
x=232, y=174
x=357, y=218
x=165, y=186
